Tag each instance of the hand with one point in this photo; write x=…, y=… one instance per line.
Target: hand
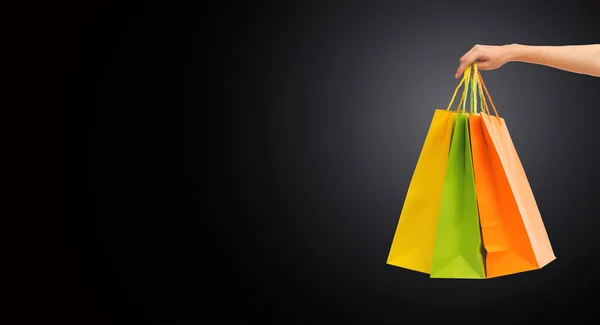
x=490, y=57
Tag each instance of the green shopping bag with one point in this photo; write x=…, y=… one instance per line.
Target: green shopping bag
x=457, y=248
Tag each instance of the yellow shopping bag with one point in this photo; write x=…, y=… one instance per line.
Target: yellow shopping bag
x=412, y=246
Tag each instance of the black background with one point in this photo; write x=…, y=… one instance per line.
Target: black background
x=247, y=162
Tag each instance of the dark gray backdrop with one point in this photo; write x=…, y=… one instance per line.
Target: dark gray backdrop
x=246, y=162
x=325, y=108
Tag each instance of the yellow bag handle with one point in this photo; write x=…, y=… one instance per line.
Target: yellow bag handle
x=465, y=80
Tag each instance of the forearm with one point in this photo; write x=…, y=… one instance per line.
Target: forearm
x=582, y=59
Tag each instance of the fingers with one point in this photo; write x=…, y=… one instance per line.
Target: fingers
x=484, y=65
x=467, y=60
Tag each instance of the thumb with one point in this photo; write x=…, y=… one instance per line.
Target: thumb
x=463, y=66
x=465, y=61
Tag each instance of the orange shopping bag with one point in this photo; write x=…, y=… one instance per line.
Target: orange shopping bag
x=514, y=235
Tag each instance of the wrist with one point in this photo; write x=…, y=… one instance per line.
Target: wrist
x=513, y=52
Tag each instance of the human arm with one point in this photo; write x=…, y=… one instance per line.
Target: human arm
x=582, y=59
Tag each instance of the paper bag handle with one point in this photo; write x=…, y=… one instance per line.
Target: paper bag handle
x=481, y=83
x=465, y=80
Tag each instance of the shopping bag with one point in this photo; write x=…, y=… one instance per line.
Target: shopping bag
x=514, y=235
x=412, y=245
x=457, y=249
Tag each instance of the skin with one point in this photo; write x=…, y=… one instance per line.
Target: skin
x=581, y=59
